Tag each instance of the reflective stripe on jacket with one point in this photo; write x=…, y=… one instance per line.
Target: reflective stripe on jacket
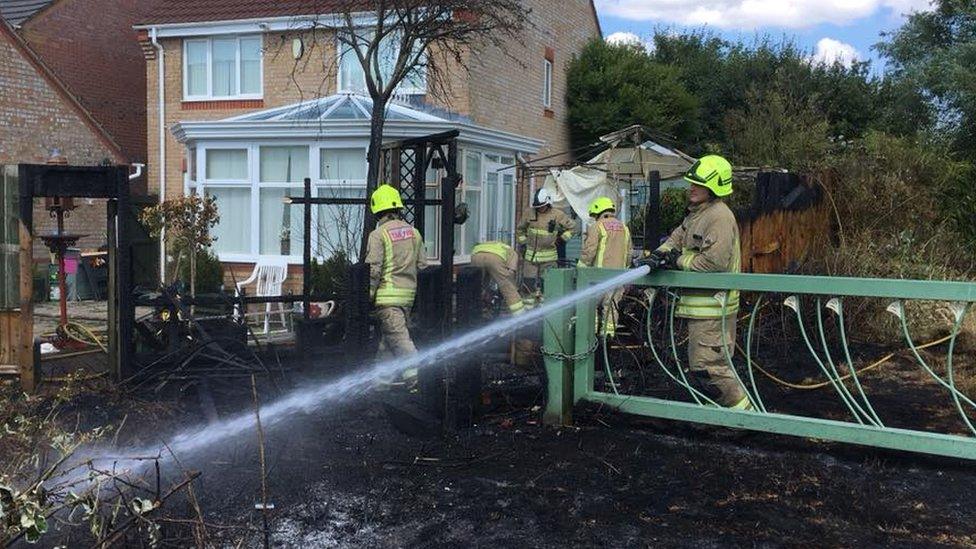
x=709, y=242
x=539, y=232
x=607, y=243
x=395, y=252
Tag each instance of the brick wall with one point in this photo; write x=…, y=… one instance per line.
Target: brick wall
x=91, y=46
x=35, y=118
x=285, y=82
x=503, y=89
x=506, y=90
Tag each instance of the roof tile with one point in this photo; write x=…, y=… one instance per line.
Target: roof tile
x=189, y=11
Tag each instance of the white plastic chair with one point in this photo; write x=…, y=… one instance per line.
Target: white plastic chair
x=268, y=276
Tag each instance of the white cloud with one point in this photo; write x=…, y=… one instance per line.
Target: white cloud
x=752, y=14
x=830, y=50
x=618, y=38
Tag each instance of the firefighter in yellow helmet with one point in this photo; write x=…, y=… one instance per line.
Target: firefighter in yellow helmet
x=708, y=241
x=395, y=252
x=606, y=245
x=500, y=261
x=541, y=228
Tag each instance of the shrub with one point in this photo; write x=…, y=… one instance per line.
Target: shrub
x=210, y=273
x=329, y=277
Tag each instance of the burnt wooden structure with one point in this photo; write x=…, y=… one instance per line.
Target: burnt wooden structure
x=787, y=221
x=58, y=181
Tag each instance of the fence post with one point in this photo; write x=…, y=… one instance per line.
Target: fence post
x=585, y=335
x=558, y=337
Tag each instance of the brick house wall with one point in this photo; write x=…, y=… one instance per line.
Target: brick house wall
x=36, y=116
x=285, y=82
x=91, y=46
x=557, y=34
x=485, y=94
x=497, y=92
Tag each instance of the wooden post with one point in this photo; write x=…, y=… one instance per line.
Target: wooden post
x=112, y=215
x=25, y=352
x=652, y=211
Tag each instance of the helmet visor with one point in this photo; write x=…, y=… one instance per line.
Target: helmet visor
x=695, y=176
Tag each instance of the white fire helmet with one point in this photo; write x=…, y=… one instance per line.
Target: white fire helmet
x=542, y=198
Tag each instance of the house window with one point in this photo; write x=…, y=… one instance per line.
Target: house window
x=226, y=173
x=250, y=182
x=352, y=78
x=222, y=68
x=342, y=174
x=500, y=197
x=472, y=188
x=282, y=173
x=547, y=84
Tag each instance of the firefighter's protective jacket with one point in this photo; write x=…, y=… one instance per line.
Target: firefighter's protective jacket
x=395, y=252
x=607, y=243
x=708, y=239
x=502, y=250
x=538, y=231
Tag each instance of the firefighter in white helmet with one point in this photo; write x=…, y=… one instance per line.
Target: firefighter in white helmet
x=395, y=253
x=541, y=229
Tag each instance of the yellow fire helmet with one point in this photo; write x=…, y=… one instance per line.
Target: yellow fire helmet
x=385, y=198
x=713, y=172
x=601, y=205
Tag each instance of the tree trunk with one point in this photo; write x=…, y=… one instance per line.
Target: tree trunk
x=373, y=158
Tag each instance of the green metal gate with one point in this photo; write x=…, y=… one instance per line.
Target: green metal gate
x=569, y=341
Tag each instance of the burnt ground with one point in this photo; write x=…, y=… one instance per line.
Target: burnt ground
x=346, y=477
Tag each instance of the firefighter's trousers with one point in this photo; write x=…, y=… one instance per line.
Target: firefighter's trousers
x=708, y=361
x=395, y=339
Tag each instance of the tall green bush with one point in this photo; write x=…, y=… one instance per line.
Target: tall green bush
x=613, y=86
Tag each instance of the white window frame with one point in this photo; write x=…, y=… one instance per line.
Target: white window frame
x=547, y=83
x=402, y=88
x=315, y=148
x=209, y=96
x=319, y=183
x=493, y=162
x=483, y=210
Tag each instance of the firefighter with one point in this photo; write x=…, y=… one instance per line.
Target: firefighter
x=606, y=245
x=501, y=263
x=708, y=241
x=541, y=229
x=395, y=253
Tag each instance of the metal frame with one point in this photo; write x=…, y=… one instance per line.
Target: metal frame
x=571, y=368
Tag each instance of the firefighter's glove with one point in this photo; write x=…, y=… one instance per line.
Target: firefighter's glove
x=670, y=260
x=651, y=259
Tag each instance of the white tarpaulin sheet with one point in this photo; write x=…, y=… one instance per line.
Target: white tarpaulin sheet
x=579, y=186
x=610, y=172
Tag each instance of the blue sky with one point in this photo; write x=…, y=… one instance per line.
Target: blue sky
x=829, y=29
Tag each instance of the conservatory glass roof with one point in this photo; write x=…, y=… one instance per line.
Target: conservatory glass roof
x=347, y=116
x=349, y=106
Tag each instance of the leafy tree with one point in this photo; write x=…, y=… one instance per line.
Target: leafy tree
x=614, y=86
x=185, y=222
x=936, y=51
x=777, y=129
x=725, y=76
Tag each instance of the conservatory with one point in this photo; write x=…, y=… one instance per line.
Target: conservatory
x=249, y=163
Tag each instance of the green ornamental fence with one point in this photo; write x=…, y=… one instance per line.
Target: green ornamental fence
x=570, y=342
